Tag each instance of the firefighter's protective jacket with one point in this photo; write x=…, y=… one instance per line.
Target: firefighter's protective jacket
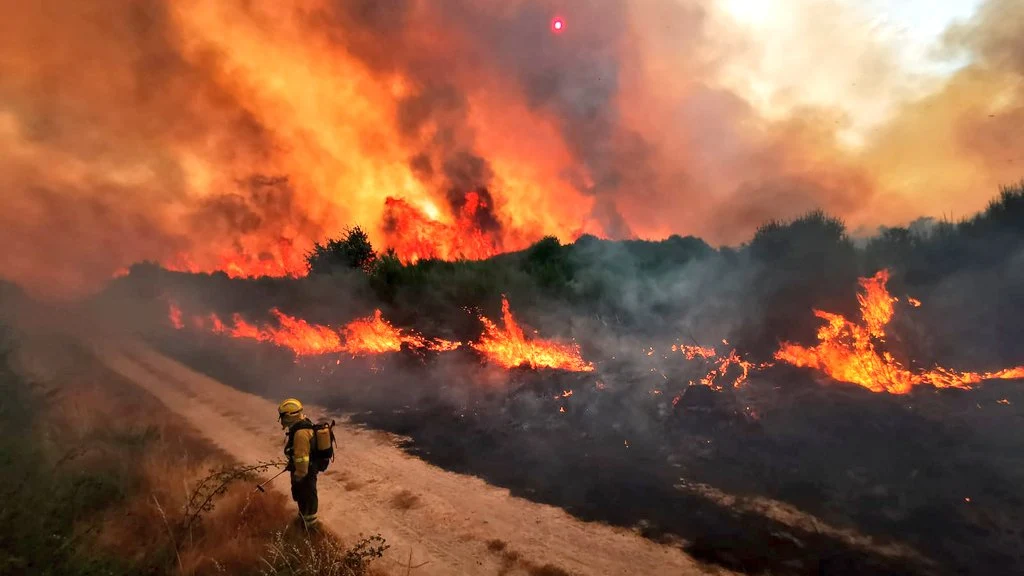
x=298, y=449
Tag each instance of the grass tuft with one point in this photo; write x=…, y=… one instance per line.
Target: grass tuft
x=405, y=500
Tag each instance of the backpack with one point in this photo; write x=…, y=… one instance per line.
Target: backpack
x=321, y=446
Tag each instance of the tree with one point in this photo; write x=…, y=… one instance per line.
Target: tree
x=352, y=250
x=547, y=261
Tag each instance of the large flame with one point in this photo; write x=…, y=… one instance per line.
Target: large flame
x=848, y=351
x=510, y=348
x=415, y=235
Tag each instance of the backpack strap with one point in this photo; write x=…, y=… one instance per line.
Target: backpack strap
x=303, y=424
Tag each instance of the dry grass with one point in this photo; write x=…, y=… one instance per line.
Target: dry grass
x=96, y=421
x=546, y=570
x=512, y=560
x=112, y=421
x=321, y=555
x=353, y=485
x=405, y=500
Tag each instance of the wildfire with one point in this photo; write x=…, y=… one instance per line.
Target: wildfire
x=509, y=347
x=847, y=351
x=416, y=236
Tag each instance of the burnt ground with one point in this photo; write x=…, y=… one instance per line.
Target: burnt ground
x=937, y=470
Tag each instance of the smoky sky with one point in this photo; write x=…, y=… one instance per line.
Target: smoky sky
x=245, y=131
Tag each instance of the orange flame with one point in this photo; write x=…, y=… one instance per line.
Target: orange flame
x=175, y=316
x=509, y=348
x=722, y=364
x=695, y=351
x=370, y=335
x=846, y=351
x=296, y=334
x=374, y=335
x=281, y=260
x=416, y=236
x=217, y=325
x=304, y=338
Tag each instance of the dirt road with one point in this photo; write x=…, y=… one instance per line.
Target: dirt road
x=445, y=520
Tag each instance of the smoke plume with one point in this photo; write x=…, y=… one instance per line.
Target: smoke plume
x=232, y=135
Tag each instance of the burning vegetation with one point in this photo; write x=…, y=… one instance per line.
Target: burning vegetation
x=846, y=351
x=363, y=336
x=509, y=347
x=849, y=352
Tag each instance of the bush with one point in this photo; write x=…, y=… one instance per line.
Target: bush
x=547, y=262
x=804, y=264
x=323, y=558
x=352, y=250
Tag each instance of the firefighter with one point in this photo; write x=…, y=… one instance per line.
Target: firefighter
x=297, y=450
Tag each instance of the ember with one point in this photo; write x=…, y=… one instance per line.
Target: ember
x=722, y=364
x=509, y=348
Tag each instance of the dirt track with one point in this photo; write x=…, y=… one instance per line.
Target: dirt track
x=453, y=517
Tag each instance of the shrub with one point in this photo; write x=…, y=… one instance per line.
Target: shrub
x=352, y=250
x=325, y=557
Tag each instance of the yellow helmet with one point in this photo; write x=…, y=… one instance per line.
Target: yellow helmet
x=289, y=411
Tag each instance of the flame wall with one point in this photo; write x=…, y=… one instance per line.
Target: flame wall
x=232, y=135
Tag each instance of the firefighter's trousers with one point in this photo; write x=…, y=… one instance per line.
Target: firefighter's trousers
x=304, y=494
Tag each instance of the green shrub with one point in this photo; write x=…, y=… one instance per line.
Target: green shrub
x=351, y=250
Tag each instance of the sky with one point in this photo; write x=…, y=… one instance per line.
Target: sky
x=788, y=70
